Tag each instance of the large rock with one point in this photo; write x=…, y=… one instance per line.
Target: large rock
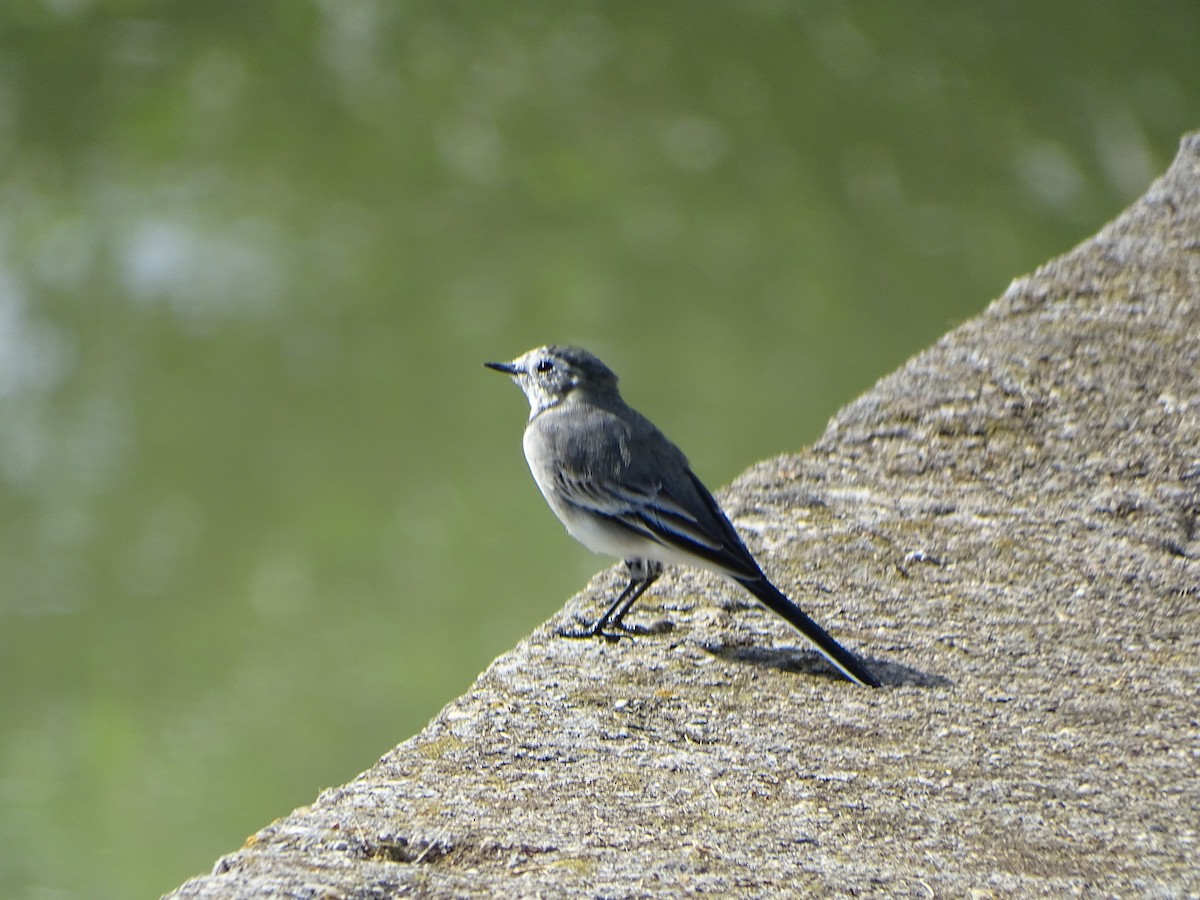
x=1008, y=528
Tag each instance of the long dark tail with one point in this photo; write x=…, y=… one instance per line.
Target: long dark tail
x=773, y=599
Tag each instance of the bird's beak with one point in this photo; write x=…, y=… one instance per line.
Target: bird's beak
x=506, y=368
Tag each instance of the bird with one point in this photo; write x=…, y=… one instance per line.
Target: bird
x=623, y=489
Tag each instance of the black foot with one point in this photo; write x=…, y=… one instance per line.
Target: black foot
x=590, y=631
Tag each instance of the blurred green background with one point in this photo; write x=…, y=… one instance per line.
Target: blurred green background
x=262, y=512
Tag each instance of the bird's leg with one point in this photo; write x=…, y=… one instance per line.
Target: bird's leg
x=642, y=574
x=616, y=612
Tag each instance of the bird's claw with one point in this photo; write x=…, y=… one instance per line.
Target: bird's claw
x=590, y=631
x=597, y=630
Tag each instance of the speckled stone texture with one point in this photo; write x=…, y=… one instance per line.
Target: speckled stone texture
x=1008, y=528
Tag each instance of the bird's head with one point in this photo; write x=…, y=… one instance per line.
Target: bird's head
x=549, y=375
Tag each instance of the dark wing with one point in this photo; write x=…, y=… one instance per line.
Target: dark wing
x=626, y=471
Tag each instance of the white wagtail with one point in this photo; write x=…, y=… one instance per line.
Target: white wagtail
x=622, y=489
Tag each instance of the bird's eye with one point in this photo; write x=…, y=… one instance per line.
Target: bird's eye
x=545, y=366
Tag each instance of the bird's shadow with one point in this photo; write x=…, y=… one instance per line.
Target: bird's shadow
x=794, y=659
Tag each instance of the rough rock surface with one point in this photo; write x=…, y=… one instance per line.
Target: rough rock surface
x=1008, y=528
